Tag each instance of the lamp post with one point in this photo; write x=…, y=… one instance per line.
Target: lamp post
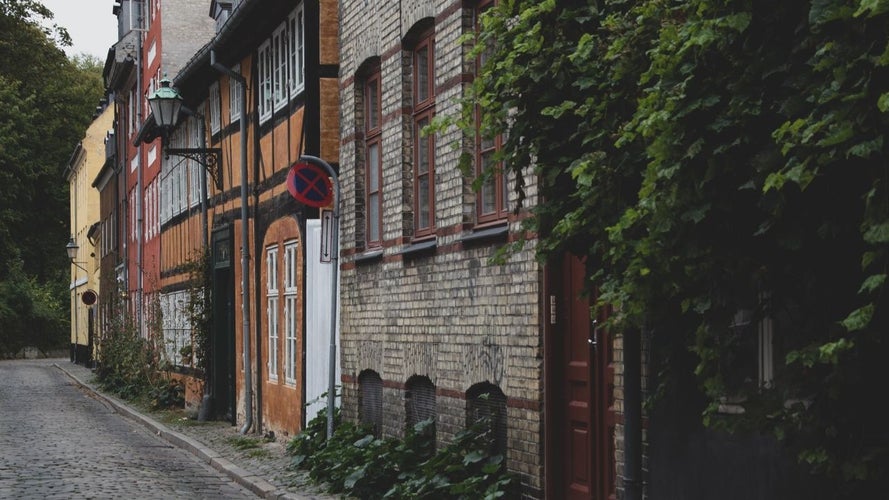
x=71, y=249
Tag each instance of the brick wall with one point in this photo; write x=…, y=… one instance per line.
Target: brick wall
x=445, y=313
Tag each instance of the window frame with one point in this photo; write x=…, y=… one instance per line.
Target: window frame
x=484, y=148
x=291, y=312
x=234, y=96
x=272, y=311
x=422, y=114
x=373, y=139
x=215, y=108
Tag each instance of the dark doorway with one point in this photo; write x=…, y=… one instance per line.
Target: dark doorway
x=222, y=340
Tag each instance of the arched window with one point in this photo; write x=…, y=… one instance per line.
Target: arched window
x=370, y=400
x=419, y=400
x=485, y=402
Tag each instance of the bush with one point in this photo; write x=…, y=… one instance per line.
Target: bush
x=356, y=463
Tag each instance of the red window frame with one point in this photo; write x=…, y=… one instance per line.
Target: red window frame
x=492, y=196
x=423, y=58
x=373, y=191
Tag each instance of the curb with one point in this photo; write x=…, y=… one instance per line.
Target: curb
x=257, y=485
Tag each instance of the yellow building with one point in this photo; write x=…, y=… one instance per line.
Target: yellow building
x=83, y=166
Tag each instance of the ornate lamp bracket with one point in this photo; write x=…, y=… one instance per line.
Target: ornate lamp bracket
x=210, y=158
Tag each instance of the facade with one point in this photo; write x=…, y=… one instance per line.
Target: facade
x=262, y=92
x=86, y=161
x=156, y=37
x=431, y=328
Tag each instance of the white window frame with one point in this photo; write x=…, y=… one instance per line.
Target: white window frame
x=215, y=109
x=234, y=96
x=296, y=67
x=264, y=75
x=272, y=310
x=290, y=311
x=195, y=169
x=281, y=65
x=280, y=58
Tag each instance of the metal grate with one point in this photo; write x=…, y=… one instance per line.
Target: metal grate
x=485, y=401
x=419, y=400
x=371, y=400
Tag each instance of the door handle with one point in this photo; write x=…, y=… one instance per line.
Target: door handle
x=594, y=342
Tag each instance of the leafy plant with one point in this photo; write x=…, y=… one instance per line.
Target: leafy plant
x=699, y=154
x=356, y=463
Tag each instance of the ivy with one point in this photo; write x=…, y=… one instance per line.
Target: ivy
x=700, y=154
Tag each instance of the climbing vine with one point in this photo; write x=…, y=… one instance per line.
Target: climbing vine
x=711, y=157
x=199, y=308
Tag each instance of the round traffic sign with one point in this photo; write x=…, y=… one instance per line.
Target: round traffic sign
x=310, y=185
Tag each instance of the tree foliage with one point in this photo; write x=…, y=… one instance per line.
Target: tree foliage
x=46, y=103
x=710, y=157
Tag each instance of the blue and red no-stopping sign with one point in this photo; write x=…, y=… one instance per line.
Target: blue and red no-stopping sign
x=309, y=184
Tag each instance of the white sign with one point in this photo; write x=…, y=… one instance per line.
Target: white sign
x=326, y=235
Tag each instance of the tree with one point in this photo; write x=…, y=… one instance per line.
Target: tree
x=709, y=158
x=46, y=103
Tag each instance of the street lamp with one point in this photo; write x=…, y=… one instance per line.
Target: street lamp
x=72, y=248
x=165, y=104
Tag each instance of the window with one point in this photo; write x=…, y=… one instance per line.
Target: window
x=748, y=354
x=424, y=146
x=419, y=400
x=493, y=193
x=195, y=169
x=234, y=96
x=264, y=70
x=290, y=312
x=272, y=309
x=370, y=400
x=296, y=66
x=215, y=109
x=281, y=65
x=373, y=160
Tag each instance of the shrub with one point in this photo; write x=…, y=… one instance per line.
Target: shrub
x=356, y=463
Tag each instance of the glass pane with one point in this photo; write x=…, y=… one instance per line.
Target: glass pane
x=489, y=188
x=422, y=60
x=373, y=167
x=423, y=202
x=373, y=217
x=372, y=105
x=422, y=148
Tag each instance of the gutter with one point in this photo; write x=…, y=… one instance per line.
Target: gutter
x=245, y=234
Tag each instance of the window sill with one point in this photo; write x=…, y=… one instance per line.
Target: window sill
x=369, y=256
x=487, y=233
x=419, y=247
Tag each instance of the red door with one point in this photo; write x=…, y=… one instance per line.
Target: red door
x=580, y=429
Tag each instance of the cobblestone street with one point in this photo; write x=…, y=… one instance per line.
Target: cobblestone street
x=58, y=442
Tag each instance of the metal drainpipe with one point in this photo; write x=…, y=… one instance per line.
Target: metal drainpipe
x=245, y=248
x=138, y=198
x=633, y=415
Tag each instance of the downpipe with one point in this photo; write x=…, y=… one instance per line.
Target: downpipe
x=245, y=248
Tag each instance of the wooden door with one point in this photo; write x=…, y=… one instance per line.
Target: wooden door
x=580, y=427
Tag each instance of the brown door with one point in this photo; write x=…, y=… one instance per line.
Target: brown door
x=580, y=430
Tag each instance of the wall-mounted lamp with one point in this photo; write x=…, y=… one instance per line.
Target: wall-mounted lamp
x=165, y=104
x=72, y=248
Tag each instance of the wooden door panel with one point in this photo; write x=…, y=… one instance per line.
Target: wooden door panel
x=583, y=381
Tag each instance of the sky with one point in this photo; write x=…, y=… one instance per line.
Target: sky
x=91, y=24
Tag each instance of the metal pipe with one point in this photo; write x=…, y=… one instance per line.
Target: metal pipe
x=245, y=248
x=632, y=415
x=334, y=260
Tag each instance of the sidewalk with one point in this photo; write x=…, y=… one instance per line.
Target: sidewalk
x=262, y=468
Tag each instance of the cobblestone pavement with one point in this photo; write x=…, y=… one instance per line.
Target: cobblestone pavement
x=263, y=467
x=57, y=442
